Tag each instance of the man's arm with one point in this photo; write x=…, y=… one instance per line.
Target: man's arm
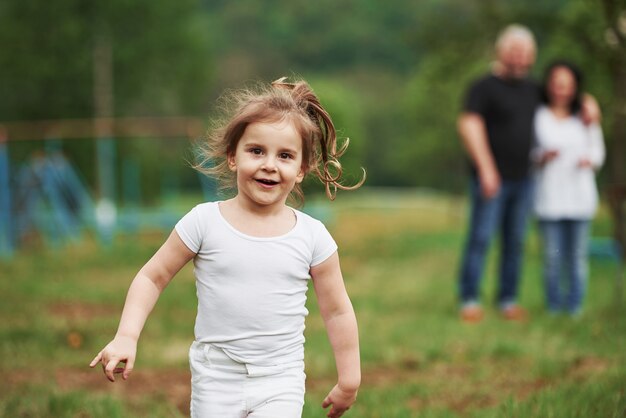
x=471, y=127
x=590, y=110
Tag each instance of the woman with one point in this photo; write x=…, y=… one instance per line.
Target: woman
x=568, y=153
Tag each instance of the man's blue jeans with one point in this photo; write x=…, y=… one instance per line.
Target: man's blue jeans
x=507, y=212
x=565, y=261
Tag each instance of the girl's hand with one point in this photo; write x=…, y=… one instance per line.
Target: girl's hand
x=340, y=400
x=121, y=350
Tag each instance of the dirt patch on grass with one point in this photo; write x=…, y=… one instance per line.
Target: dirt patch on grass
x=583, y=367
x=172, y=385
x=450, y=386
x=454, y=387
x=458, y=389
x=79, y=311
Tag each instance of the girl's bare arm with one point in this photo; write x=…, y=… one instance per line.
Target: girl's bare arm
x=341, y=326
x=142, y=295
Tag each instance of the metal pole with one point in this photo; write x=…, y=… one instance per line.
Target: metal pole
x=106, y=212
x=6, y=231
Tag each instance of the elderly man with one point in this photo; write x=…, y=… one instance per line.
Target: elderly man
x=496, y=130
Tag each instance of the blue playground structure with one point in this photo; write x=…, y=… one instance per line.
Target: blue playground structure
x=47, y=197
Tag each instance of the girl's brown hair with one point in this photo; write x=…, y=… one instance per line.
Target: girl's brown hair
x=273, y=103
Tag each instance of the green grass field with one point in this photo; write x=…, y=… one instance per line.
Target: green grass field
x=399, y=254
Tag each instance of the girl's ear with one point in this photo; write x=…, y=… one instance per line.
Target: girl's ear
x=301, y=174
x=231, y=162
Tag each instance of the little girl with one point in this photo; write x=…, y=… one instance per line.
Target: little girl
x=253, y=257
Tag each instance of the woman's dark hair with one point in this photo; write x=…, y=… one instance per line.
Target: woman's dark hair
x=578, y=77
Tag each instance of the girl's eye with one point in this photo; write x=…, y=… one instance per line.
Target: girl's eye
x=256, y=151
x=285, y=155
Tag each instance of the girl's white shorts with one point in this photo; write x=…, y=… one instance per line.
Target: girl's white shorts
x=224, y=388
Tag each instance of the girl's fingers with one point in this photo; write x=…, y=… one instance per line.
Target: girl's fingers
x=128, y=368
x=109, y=368
x=96, y=360
x=113, y=365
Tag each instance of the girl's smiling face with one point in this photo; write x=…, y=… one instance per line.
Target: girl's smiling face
x=268, y=163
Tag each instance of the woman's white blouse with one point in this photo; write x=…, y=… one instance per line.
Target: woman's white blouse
x=564, y=190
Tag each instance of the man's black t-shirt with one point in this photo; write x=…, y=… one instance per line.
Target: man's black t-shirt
x=508, y=108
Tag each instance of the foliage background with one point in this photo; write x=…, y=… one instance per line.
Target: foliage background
x=392, y=73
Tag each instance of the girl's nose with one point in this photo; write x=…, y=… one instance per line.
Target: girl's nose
x=269, y=164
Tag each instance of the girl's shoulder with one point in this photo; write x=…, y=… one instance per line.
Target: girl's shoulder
x=193, y=227
x=309, y=220
x=203, y=212
x=205, y=207
x=317, y=236
x=305, y=217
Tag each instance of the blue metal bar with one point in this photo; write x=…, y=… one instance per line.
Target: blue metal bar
x=27, y=197
x=59, y=224
x=6, y=232
x=62, y=199
x=76, y=190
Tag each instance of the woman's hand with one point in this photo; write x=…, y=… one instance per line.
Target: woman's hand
x=585, y=163
x=121, y=350
x=548, y=156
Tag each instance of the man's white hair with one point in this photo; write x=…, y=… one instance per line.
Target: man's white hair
x=515, y=31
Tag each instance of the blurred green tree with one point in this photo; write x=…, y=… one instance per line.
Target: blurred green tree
x=52, y=54
x=161, y=58
x=393, y=72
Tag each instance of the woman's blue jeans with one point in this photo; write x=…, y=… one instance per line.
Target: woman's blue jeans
x=507, y=212
x=565, y=267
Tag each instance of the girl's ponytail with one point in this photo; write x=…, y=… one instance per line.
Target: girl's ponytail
x=325, y=156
